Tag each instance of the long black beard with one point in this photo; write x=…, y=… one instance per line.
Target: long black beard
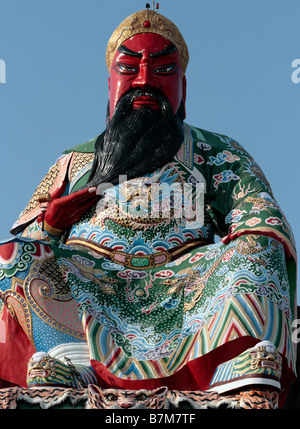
x=137, y=141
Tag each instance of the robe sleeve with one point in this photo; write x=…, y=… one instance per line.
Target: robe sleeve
x=240, y=199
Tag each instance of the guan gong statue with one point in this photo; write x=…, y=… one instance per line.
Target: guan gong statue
x=112, y=281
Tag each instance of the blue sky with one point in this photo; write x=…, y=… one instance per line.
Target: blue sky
x=239, y=84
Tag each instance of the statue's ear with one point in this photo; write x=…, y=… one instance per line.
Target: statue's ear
x=160, y=391
x=96, y=390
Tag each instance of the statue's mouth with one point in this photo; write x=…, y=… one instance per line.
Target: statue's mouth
x=145, y=100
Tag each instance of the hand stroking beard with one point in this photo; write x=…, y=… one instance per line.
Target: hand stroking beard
x=137, y=142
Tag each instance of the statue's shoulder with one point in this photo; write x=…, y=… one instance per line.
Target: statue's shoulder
x=72, y=166
x=213, y=139
x=52, y=183
x=86, y=147
x=199, y=145
x=82, y=157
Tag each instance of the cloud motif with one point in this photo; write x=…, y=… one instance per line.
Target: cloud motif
x=273, y=221
x=170, y=303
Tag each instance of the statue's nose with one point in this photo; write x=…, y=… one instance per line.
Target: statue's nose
x=145, y=78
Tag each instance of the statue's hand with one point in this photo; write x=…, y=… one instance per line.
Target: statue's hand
x=61, y=213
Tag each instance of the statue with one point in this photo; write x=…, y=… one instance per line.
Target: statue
x=113, y=273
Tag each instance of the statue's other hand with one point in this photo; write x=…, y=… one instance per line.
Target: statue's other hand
x=61, y=213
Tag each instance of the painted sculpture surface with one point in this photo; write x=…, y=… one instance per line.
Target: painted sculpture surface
x=113, y=281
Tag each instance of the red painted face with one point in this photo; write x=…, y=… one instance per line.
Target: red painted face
x=146, y=61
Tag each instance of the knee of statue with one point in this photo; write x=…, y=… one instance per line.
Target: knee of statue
x=260, y=365
x=45, y=371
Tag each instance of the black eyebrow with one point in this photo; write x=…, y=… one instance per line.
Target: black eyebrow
x=167, y=51
x=129, y=52
x=170, y=49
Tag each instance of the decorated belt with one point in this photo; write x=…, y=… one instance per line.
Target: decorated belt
x=138, y=261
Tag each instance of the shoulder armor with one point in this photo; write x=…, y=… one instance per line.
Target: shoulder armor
x=51, y=182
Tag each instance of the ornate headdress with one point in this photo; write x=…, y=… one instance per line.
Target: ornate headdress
x=147, y=21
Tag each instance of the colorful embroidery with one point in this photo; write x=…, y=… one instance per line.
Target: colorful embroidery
x=124, y=280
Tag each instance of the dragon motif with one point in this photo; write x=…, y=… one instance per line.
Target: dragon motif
x=196, y=283
x=260, y=202
x=243, y=192
x=76, y=266
x=250, y=246
x=145, y=202
x=199, y=283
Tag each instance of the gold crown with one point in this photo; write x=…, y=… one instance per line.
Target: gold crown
x=147, y=21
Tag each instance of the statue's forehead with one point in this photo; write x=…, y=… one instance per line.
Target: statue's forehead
x=149, y=42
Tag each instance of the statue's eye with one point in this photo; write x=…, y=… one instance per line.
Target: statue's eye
x=111, y=397
x=141, y=397
x=169, y=69
x=125, y=68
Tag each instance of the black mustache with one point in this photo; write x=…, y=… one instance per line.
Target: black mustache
x=136, y=93
x=128, y=98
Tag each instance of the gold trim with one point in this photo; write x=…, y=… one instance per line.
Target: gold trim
x=10, y=295
x=53, y=231
x=111, y=254
x=88, y=244
x=161, y=25
x=15, y=280
x=43, y=314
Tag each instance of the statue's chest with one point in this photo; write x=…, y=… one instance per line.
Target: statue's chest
x=152, y=213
